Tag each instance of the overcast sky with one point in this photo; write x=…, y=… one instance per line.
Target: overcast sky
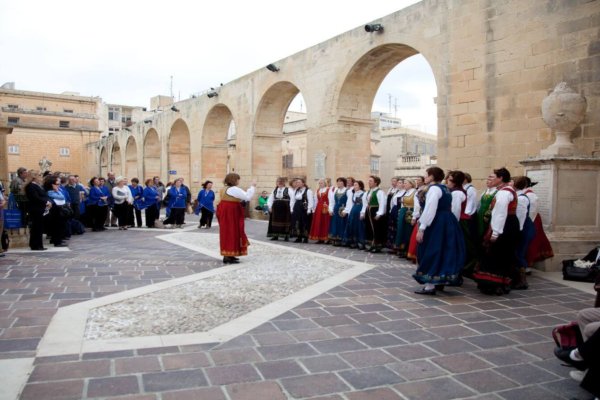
x=125, y=51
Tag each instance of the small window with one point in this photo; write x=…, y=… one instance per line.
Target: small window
x=374, y=164
x=40, y=108
x=64, y=152
x=68, y=111
x=13, y=149
x=288, y=161
x=63, y=124
x=13, y=120
x=13, y=106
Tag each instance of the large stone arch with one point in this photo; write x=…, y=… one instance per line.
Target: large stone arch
x=268, y=132
x=115, y=159
x=215, y=144
x=131, y=159
x=178, y=152
x=103, y=161
x=152, y=150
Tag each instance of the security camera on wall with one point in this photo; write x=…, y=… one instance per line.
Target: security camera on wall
x=373, y=28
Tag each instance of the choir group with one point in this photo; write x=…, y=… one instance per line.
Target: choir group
x=438, y=221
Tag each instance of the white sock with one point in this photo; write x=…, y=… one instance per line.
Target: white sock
x=429, y=286
x=575, y=355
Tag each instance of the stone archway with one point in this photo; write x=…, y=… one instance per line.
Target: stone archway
x=215, y=145
x=178, y=152
x=131, y=159
x=115, y=160
x=151, y=155
x=268, y=133
x=103, y=161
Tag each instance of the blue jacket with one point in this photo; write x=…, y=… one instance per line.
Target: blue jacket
x=177, y=199
x=206, y=199
x=150, y=196
x=94, y=197
x=138, y=197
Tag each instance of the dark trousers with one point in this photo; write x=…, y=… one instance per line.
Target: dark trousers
x=206, y=218
x=98, y=214
x=122, y=212
x=176, y=217
x=138, y=217
x=151, y=216
x=76, y=212
x=56, y=225
x=37, y=231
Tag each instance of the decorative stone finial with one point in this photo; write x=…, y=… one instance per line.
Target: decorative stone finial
x=563, y=110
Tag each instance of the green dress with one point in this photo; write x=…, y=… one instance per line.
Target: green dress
x=484, y=215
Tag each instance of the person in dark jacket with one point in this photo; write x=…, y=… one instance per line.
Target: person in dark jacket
x=38, y=204
x=74, y=191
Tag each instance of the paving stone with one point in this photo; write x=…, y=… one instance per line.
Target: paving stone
x=487, y=327
x=312, y=313
x=451, y=346
x=337, y=345
x=158, y=350
x=294, y=325
x=56, y=359
x=490, y=341
x=104, y=387
x=66, y=389
x=380, y=340
x=313, y=334
x=324, y=363
x=526, y=374
x=172, y=380
x=107, y=354
x=286, y=351
x=373, y=307
x=195, y=394
x=508, y=356
x=410, y=352
x=334, y=320
x=70, y=370
x=457, y=363
x=485, y=381
x=525, y=337
x=529, y=393
x=416, y=370
x=367, y=358
x=314, y=385
x=274, y=338
x=232, y=374
x=416, y=336
x=255, y=391
x=236, y=343
x=137, y=364
x=453, y=331
x=234, y=356
x=18, y=344
x=437, y=388
x=370, y=377
x=567, y=388
x=342, y=310
x=374, y=394
x=395, y=326
x=280, y=369
x=185, y=361
x=353, y=330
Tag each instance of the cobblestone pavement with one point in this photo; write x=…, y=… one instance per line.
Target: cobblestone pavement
x=370, y=338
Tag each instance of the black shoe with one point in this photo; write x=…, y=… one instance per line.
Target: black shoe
x=426, y=292
x=564, y=355
x=298, y=240
x=374, y=250
x=320, y=242
x=440, y=287
x=230, y=260
x=286, y=239
x=60, y=245
x=305, y=240
x=353, y=246
x=274, y=238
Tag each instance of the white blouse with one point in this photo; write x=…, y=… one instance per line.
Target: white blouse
x=500, y=211
x=533, y=201
x=457, y=199
x=433, y=196
x=522, y=203
x=381, y=199
x=238, y=193
x=297, y=196
x=122, y=195
x=339, y=191
x=278, y=196
x=471, y=207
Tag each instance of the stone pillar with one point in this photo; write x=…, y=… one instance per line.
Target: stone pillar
x=568, y=184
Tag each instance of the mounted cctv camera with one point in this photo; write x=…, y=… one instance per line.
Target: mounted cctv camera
x=373, y=28
x=212, y=94
x=272, y=68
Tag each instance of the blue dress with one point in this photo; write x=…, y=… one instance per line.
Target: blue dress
x=441, y=255
x=337, y=226
x=527, y=235
x=356, y=226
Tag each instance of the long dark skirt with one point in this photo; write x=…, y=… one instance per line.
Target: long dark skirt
x=279, y=219
x=338, y=224
x=404, y=230
x=375, y=229
x=499, y=263
x=151, y=216
x=392, y=228
x=441, y=255
x=301, y=220
x=469, y=230
x=356, y=227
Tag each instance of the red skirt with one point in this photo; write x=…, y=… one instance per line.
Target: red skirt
x=233, y=239
x=319, y=230
x=540, y=247
x=412, y=246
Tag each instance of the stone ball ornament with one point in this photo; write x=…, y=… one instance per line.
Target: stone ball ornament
x=563, y=110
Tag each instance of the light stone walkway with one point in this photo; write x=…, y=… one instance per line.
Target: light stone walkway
x=368, y=338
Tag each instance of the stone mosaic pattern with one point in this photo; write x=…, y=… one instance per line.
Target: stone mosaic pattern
x=268, y=275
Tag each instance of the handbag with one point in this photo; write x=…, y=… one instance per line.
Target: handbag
x=572, y=272
x=568, y=336
x=65, y=211
x=408, y=216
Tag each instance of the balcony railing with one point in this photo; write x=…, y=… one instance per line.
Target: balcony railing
x=49, y=113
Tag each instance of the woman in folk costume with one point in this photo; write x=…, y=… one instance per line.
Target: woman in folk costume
x=301, y=206
x=280, y=215
x=404, y=218
x=484, y=212
x=419, y=204
x=460, y=202
x=337, y=203
x=230, y=213
x=319, y=229
x=498, y=262
x=355, y=229
x=392, y=205
x=527, y=232
x=540, y=247
x=441, y=251
x=373, y=212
